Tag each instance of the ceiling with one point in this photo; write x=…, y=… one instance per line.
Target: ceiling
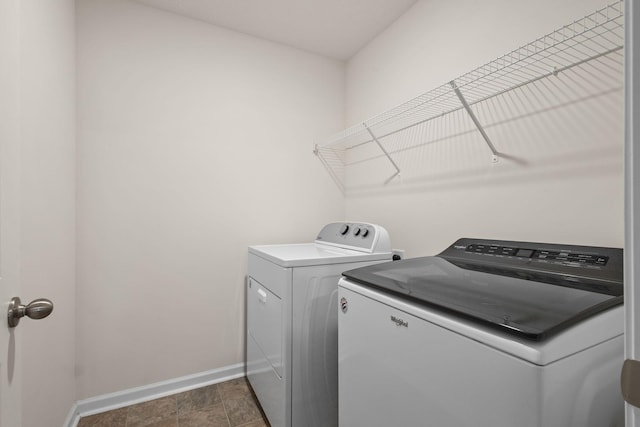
x=334, y=28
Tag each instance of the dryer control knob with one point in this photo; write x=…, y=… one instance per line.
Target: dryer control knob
x=356, y=231
x=344, y=230
x=365, y=232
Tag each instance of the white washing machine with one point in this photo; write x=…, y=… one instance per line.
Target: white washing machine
x=292, y=325
x=486, y=334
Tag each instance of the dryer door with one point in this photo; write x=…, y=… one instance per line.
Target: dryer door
x=265, y=323
x=265, y=350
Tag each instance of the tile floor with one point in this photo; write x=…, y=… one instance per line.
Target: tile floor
x=227, y=404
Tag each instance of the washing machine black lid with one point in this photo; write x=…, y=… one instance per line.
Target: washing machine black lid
x=533, y=296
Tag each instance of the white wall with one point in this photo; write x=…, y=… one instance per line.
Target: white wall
x=193, y=143
x=567, y=185
x=47, y=132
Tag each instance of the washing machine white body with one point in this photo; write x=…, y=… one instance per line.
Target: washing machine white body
x=407, y=363
x=292, y=332
x=441, y=372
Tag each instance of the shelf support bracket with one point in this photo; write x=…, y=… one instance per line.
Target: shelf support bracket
x=465, y=104
x=397, y=173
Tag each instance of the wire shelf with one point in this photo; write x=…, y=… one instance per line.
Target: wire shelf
x=596, y=37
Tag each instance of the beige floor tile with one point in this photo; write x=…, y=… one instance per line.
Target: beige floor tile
x=152, y=412
x=258, y=423
x=242, y=411
x=197, y=399
x=234, y=389
x=115, y=418
x=167, y=422
x=213, y=416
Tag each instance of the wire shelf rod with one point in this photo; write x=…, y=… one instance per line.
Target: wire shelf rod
x=481, y=81
x=535, y=62
x=511, y=61
x=471, y=131
x=492, y=94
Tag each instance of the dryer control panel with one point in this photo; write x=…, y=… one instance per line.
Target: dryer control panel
x=361, y=236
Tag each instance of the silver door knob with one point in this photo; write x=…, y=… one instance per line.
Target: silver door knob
x=36, y=309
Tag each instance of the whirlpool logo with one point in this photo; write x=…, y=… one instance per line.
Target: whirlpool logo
x=344, y=305
x=399, y=322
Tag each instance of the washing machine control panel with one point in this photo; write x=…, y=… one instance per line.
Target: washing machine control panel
x=360, y=236
x=557, y=256
x=569, y=264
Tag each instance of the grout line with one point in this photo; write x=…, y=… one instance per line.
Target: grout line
x=177, y=413
x=224, y=407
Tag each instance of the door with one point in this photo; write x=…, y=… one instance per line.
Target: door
x=10, y=384
x=632, y=195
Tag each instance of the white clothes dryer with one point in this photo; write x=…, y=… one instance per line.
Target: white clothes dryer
x=292, y=329
x=486, y=334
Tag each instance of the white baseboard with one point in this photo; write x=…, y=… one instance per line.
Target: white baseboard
x=73, y=417
x=108, y=402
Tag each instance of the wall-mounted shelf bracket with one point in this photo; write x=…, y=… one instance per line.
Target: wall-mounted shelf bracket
x=386, y=153
x=465, y=104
